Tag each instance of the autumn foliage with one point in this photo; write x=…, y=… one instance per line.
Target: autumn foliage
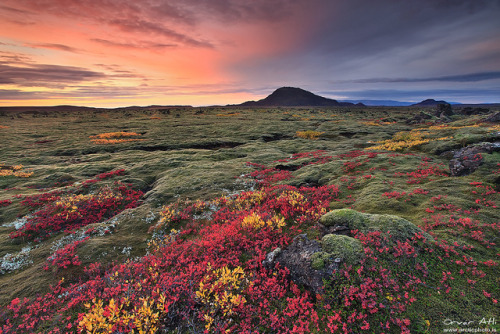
x=204, y=271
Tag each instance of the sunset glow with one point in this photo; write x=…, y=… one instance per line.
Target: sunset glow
x=118, y=53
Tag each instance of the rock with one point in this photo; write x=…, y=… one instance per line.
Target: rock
x=420, y=118
x=306, y=268
x=337, y=229
x=447, y=154
x=473, y=111
x=344, y=217
x=347, y=248
x=312, y=262
x=271, y=257
x=495, y=118
x=444, y=110
x=398, y=228
x=466, y=160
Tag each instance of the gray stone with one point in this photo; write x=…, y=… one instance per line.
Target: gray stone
x=466, y=160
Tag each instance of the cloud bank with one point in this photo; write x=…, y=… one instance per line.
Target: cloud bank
x=163, y=51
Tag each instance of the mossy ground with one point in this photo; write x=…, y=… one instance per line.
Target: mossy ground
x=193, y=153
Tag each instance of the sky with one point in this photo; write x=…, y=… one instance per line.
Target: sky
x=110, y=53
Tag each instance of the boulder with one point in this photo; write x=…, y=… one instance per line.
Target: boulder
x=399, y=228
x=495, y=118
x=466, y=160
x=298, y=257
x=420, y=118
x=346, y=248
x=473, y=111
x=444, y=110
x=313, y=262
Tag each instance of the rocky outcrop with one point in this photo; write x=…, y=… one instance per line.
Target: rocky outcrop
x=473, y=111
x=420, y=118
x=443, y=110
x=312, y=262
x=441, y=114
x=298, y=258
x=495, y=118
x=466, y=160
x=398, y=228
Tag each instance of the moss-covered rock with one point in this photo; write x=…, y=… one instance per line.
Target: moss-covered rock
x=347, y=217
x=399, y=228
x=342, y=246
x=319, y=260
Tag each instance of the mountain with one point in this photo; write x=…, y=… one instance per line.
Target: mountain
x=294, y=97
x=385, y=103
x=428, y=103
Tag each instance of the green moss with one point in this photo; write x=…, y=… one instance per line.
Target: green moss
x=187, y=156
x=319, y=260
x=399, y=228
x=342, y=246
x=347, y=217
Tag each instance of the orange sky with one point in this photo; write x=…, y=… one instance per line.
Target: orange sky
x=132, y=56
x=114, y=52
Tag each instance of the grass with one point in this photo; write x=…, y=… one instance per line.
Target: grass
x=191, y=155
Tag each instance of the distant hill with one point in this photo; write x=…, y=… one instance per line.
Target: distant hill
x=294, y=97
x=429, y=103
x=69, y=108
x=387, y=103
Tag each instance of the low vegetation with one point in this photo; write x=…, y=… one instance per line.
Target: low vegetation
x=161, y=222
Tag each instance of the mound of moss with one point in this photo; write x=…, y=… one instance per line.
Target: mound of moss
x=346, y=217
x=335, y=246
x=399, y=228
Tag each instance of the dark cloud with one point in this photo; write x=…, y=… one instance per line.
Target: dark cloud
x=45, y=75
x=142, y=17
x=157, y=17
x=136, y=45
x=15, y=10
x=51, y=46
x=358, y=46
x=116, y=71
x=416, y=95
x=12, y=58
x=148, y=27
x=77, y=95
x=15, y=94
x=244, y=11
x=472, y=77
x=343, y=27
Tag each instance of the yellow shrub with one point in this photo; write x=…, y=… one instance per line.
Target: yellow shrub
x=403, y=140
x=106, y=319
x=446, y=127
x=294, y=198
x=14, y=171
x=114, y=137
x=254, y=221
x=220, y=292
x=249, y=199
x=371, y=123
x=228, y=115
x=309, y=134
